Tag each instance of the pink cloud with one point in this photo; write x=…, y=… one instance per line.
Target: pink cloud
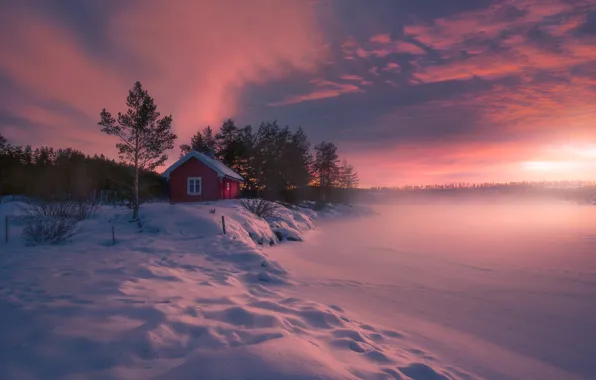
x=46, y=61
x=358, y=79
x=194, y=58
x=381, y=39
x=392, y=66
x=325, y=89
x=380, y=46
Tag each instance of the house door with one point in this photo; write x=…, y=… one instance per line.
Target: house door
x=227, y=190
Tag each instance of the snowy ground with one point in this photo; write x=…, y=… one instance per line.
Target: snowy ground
x=174, y=298
x=503, y=290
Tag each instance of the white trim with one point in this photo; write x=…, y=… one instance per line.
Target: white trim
x=196, y=180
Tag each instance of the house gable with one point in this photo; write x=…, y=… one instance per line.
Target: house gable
x=221, y=169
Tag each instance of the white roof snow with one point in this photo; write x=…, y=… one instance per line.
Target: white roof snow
x=219, y=167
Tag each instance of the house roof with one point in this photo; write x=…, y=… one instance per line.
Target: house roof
x=217, y=166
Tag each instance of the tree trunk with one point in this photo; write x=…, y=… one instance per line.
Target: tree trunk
x=135, y=208
x=322, y=188
x=135, y=212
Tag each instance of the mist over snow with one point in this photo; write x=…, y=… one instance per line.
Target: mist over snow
x=503, y=288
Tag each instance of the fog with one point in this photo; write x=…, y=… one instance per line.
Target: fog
x=505, y=289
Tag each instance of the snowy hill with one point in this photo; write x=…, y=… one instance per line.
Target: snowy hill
x=175, y=298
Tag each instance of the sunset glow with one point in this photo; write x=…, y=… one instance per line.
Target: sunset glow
x=471, y=91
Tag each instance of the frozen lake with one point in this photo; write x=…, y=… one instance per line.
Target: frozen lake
x=501, y=290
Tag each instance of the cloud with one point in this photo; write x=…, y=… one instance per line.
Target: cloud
x=356, y=78
x=324, y=90
x=193, y=57
x=381, y=45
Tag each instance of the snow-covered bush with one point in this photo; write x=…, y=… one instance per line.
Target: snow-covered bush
x=260, y=207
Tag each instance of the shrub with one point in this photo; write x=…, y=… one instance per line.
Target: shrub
x=259, y=207
x=84, y=209
x=54, y=222
x=41, y=228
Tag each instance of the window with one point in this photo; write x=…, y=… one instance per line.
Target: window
x=194, y=186
x=228, y=186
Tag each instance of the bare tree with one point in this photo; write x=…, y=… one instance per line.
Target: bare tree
x=144, y=136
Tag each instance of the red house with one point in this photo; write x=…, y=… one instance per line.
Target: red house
x=197, y=177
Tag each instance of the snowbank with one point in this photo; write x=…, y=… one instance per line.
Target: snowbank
x=175, y=298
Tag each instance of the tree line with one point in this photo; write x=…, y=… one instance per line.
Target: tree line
x=50, y=173
x=276, y=162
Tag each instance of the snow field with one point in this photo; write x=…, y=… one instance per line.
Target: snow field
x=174, y=298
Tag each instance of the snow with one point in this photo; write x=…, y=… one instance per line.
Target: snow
x=416, y=291
x=221, y=169
x=175, y=298
x=502, y=290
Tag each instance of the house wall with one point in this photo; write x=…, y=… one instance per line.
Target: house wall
x=194, y=168
x=234, y=191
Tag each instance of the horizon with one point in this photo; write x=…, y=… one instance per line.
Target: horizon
x=465, y=184
x=433, y=93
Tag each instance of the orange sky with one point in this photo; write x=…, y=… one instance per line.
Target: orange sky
x=491, y=91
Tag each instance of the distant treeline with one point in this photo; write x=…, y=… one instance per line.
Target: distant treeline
x=575, y=191
x=46, y=172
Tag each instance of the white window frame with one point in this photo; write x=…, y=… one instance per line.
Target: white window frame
x=228, y=186
x=196, y=180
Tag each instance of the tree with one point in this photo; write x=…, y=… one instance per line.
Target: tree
x=4, y=159
x=202, y=141
x=272, y=167
x=144, y=136
x=326, y=165
x=348, y=178
x=226, y=143
x=298, y=159
x=246, y=165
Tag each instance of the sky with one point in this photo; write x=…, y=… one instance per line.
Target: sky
x=411, y=91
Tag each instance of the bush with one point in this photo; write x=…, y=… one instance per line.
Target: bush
x=54, y=222
x=84, y=209
x=259, y=207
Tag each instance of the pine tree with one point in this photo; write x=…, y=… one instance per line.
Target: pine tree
x=202, y=141
x=226, y=144
x=298, y=159
x=144, y=136
x=245, y=165
x=209, y=139
x=348, y=178
x=326, y=165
